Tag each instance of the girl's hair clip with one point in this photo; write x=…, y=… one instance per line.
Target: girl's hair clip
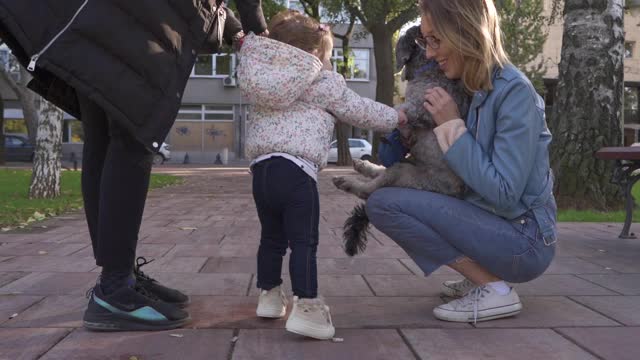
x=323, y=27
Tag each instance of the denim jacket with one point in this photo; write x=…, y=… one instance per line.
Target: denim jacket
x=503, y=157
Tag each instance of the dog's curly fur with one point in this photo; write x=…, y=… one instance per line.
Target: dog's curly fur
x=425, y=168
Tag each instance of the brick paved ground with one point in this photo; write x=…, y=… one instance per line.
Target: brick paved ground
x=204, y=235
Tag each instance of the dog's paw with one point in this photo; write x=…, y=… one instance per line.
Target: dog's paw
x=338, y=181
x=358, y=165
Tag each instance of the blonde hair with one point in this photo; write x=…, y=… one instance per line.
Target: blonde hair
x=303, y=32
x=472, y=27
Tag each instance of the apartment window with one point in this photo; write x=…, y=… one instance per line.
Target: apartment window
x=214, y=65
x=72, y=132
x=8, y=63
x=203, y=127
x=628, y=49
x=359, y=66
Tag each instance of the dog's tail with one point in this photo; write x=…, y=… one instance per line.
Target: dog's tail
x=355, y=232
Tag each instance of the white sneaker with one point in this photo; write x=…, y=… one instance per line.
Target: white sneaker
x=457, y=288
x=272, y=303
x=480, y=304
x=312, y=318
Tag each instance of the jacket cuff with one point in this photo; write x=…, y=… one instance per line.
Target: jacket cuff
x=449, y=132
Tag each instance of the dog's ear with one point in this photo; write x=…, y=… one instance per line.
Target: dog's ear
x=406, y=47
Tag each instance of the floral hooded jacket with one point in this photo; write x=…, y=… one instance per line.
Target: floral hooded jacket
x=295, y=103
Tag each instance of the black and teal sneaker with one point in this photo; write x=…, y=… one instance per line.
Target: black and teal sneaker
x=166, y=294
x=131, y=309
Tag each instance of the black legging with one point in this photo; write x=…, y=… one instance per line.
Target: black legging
x=115, y=179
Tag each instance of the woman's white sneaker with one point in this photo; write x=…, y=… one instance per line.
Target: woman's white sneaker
x=312, y=318
x=272, y=303
x=457, y=288
x=480, y=304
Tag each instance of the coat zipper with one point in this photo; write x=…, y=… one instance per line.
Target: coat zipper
x=34, y=58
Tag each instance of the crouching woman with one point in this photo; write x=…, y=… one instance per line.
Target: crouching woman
x=504, y=230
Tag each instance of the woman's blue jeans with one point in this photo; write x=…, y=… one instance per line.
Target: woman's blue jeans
x=437, y=230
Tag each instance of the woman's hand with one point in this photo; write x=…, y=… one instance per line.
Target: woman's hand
x=402, y=118
x=441, y=105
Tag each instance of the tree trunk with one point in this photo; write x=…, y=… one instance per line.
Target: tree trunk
x=2, y=152
x=587, y=113
x=383, y=50
x=28, y=100
x=343, y=130
x=45, y=180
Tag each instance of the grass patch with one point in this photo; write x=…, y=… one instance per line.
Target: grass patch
x=599, y=216
x=16, y=208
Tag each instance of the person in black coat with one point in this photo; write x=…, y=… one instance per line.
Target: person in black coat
x=121, y=66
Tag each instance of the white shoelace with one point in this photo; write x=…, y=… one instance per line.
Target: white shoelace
x=473, y=298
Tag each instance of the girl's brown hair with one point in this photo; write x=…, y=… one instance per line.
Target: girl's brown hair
x=472, y=27
x=303, y=32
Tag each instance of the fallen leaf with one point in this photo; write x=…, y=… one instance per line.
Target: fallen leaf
x=12, y=316
x=133, y=358
x=42, y=252
x=337, y=340
x=602, y=251
x=188, y=228
x=38, y=216
x=176, y=335
x=234, y=339
x=4, y=229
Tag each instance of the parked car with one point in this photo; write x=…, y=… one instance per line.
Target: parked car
x=162, y=155
x=359, y=149
x=18, y=148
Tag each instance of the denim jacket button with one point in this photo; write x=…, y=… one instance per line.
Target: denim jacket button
x=522, y=221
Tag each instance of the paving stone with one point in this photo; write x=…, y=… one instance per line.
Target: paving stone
x=15, y=304
x=387, y=312
x=329, y=285
x=236, y=312
x=530, y=344
x=8, y=277
x=48, y=263
x=363, y=266
x=407, y=285
x=548, y=312
x=608, y=343
x=624, y=309
x=627, y=284
x=51, y=284
x=195, y=250
x=358, y=344
x=52, y=312
x=225, y=265
x=560, y=285
x=40, y=248
x=206, y=284
x=192, y=344
x=175, y=264
x=150, y=251
x=28, y=344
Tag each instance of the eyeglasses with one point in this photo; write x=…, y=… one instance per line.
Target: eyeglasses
x=430, y=41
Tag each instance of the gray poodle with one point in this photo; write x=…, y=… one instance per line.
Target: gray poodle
x=424, y=168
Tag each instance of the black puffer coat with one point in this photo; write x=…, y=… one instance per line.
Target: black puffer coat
x=132, y=57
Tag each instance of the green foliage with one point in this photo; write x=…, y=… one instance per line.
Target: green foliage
x=269, y=8
x=16, y=209
x=525, y=31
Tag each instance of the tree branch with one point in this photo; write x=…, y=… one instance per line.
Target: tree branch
x=349, y=33
x=404, y=17
x=354, y=10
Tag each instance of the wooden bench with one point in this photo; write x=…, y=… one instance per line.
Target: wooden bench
x=624, y=174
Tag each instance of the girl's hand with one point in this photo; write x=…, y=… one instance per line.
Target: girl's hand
x=441, y=105
x=402, y=118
